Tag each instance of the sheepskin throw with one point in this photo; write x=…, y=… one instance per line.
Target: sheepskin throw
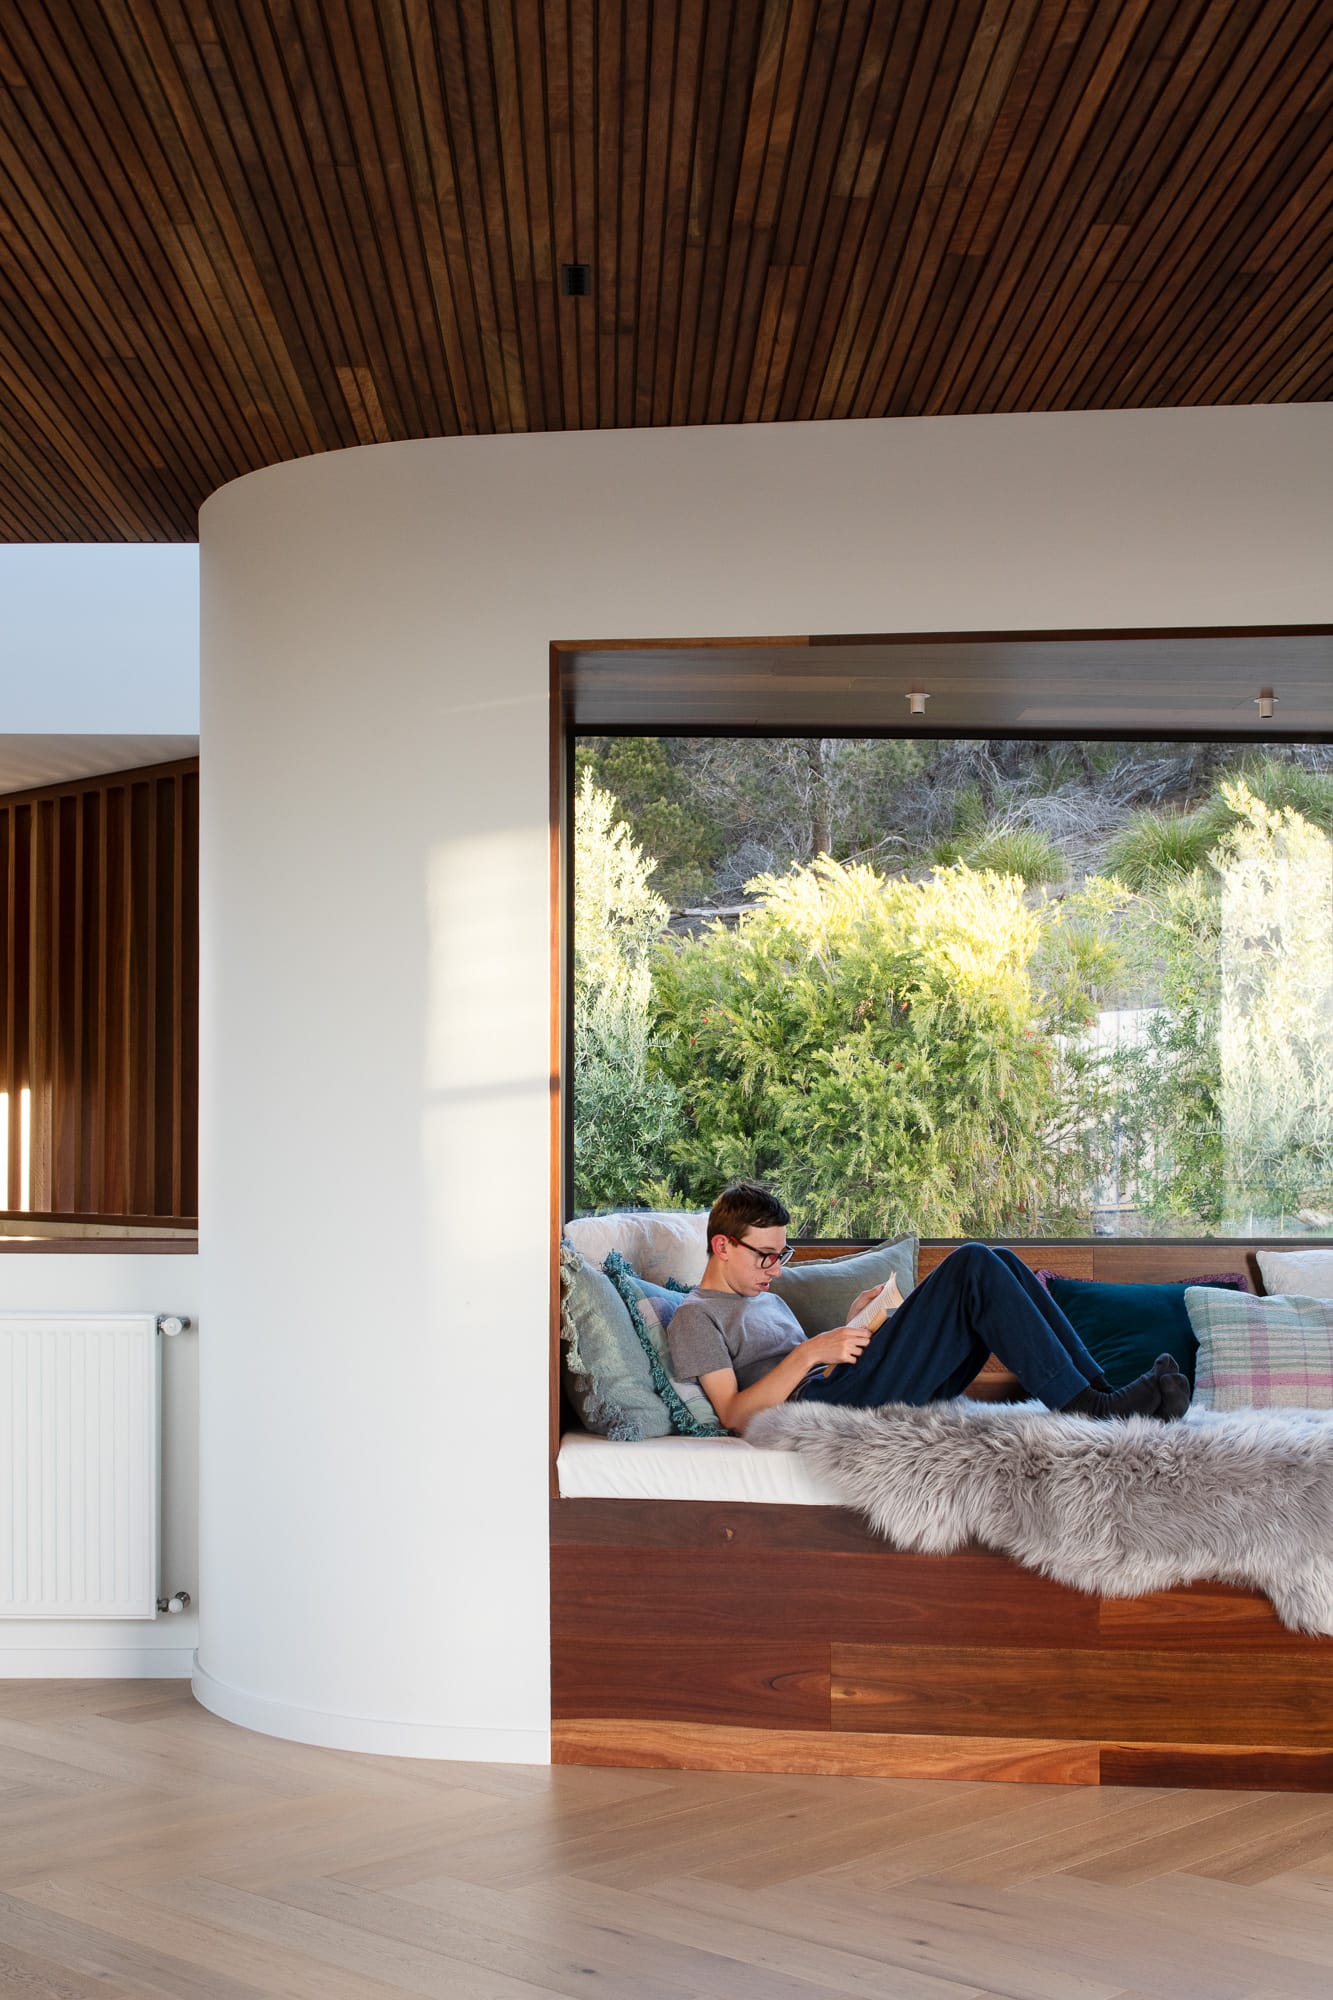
x=1116, y=1508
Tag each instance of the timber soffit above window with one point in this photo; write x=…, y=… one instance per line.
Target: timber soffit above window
x=240, y=234
x=1114, y=683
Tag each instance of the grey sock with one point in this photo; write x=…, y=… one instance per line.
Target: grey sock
x=1175, y=1388
x=1142, y=1398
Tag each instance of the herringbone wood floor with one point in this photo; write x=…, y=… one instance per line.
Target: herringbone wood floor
x=148, y=1849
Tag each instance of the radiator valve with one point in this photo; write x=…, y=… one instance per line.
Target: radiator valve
x=180, y=1602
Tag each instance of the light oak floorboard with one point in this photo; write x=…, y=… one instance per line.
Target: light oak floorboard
x=148, y=1849
x=941, y=1843
x=1254, y=1935
x=1254, y=1833
x=1129, y=1821
x=731, y=1948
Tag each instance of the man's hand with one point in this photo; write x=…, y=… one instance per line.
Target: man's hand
x=842, y=1343
x=863, y=1299
x=735, y=1407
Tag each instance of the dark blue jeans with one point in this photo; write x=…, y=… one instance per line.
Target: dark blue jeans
x=976, y=1303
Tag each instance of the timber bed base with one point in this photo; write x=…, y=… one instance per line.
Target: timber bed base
x=718, y=1636
x=733, y=1636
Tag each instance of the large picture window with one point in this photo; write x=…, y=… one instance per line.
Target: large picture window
x=992, y=987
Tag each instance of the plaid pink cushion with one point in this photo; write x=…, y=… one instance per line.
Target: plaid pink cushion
x=1261, y=1354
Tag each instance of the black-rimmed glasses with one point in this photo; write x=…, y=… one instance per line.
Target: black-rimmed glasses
x=769, y=1260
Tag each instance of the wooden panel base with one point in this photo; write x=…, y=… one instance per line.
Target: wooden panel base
x=1121, y=1694
x=1226, y=1767
x=718, y=1636
x=783, y=1682
x=677, y=1746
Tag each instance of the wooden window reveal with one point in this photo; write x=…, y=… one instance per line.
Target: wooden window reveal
x=99, y=996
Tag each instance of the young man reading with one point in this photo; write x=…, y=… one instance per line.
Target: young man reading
x=746, y=1348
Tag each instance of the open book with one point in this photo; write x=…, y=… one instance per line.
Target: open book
x=886, y=1300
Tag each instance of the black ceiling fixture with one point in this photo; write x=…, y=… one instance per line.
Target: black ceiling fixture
x=576, y=280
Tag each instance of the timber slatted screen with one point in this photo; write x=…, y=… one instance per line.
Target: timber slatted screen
x=99, y=984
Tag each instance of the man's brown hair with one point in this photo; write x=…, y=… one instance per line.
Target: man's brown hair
x=745, y=1205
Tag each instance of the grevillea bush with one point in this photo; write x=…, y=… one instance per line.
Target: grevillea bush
x=882, y=1049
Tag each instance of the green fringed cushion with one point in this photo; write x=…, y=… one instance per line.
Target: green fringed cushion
x=650, y=1308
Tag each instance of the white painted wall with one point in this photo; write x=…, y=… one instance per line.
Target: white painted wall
x=375, y=632
x=162, y=1648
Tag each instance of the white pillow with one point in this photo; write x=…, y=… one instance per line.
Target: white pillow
x=660, y=1243
x=1306, y=1274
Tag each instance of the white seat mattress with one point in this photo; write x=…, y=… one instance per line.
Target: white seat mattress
x=683, y=1468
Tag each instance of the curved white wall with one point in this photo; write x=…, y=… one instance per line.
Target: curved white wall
x=374, y=1111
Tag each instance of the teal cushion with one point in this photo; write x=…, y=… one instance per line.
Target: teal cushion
x=651, y=1308
x=1126, y=1327
x=607, y=1371
x=820, y=1292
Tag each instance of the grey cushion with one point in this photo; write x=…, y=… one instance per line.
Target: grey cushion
x=820, y=1292
x=608, y=1375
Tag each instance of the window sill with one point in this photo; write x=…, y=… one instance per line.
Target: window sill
x=99, y=1246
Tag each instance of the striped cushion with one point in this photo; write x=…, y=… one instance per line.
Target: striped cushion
x=1261, y=1354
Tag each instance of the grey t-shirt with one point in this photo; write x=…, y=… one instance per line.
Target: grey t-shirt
x=711, y=1330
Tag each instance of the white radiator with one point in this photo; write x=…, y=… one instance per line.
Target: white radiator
x=80, y=1447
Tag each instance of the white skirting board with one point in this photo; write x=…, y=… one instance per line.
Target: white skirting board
x=96, y=1663
x=380, y=1737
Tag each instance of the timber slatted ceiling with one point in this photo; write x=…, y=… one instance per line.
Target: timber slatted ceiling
x=99, y=990
x=234, y=232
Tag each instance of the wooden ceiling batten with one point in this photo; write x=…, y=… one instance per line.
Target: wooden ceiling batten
x=1109, y=48
x=1085, y=229
x=904, y=329
x=234, y=232
x=1182, y=244
x=834, y=289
